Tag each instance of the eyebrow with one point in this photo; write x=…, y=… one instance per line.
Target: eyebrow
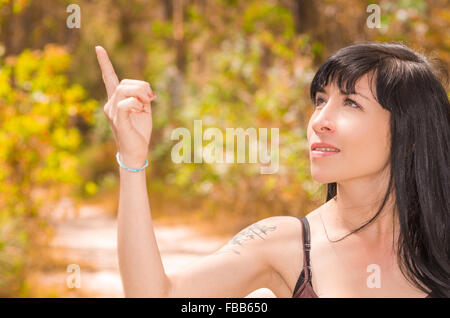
x=361, y=96
x=323, y=90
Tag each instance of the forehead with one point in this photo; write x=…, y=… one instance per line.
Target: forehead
x=364, y=85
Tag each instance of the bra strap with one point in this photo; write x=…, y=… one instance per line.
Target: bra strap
x=307, y=245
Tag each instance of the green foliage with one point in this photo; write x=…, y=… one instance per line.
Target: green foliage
x=39, y=138
x=251, y=72
x=233, y=64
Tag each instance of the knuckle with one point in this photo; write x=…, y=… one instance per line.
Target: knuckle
x=131, y=100
x=127, y=81
x=120, y=103
x=106, y=110
x=143, y=91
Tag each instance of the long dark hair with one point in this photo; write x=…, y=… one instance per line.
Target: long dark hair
x=409, y=86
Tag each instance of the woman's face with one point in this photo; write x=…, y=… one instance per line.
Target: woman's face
x=355, y=124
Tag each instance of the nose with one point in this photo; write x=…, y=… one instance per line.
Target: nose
x=323, y=120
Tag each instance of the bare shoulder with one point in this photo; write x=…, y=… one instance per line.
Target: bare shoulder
x=287, y=228
x=277, y=242
x=274, y=231
x=283, y=253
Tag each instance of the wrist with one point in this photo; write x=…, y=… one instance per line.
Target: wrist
x=131, y=164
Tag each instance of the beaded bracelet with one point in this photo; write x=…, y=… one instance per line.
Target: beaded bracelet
x=130, y=169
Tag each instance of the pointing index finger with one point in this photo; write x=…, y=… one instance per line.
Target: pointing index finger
x=109, y=75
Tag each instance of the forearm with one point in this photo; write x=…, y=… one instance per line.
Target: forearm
x=140, y=264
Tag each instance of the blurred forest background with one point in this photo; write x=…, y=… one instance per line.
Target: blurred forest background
x=230, y=63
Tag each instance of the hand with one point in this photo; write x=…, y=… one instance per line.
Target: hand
x=129, y=112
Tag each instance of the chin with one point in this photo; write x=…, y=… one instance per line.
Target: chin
x=322, y=177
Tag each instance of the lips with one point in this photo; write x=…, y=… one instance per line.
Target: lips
x=316, y=145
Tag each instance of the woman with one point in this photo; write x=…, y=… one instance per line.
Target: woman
x=379, y=138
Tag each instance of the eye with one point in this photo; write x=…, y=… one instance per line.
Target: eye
x=318, y=101
x=352, y=102
x=347, y=101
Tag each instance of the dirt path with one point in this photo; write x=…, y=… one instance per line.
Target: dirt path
x=89, y=240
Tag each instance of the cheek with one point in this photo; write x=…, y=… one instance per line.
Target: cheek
x=367, y=147
x=308, y=130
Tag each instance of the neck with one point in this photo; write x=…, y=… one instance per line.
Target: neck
x=355, y=203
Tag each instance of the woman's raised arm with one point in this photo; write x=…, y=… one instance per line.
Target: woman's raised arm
x=235, y=270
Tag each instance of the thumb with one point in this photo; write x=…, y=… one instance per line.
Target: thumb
x=126, y=106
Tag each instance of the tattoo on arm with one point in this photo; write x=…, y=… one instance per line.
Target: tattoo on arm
x=256, y=231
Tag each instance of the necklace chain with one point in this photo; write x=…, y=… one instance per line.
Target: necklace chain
x=326, y=233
